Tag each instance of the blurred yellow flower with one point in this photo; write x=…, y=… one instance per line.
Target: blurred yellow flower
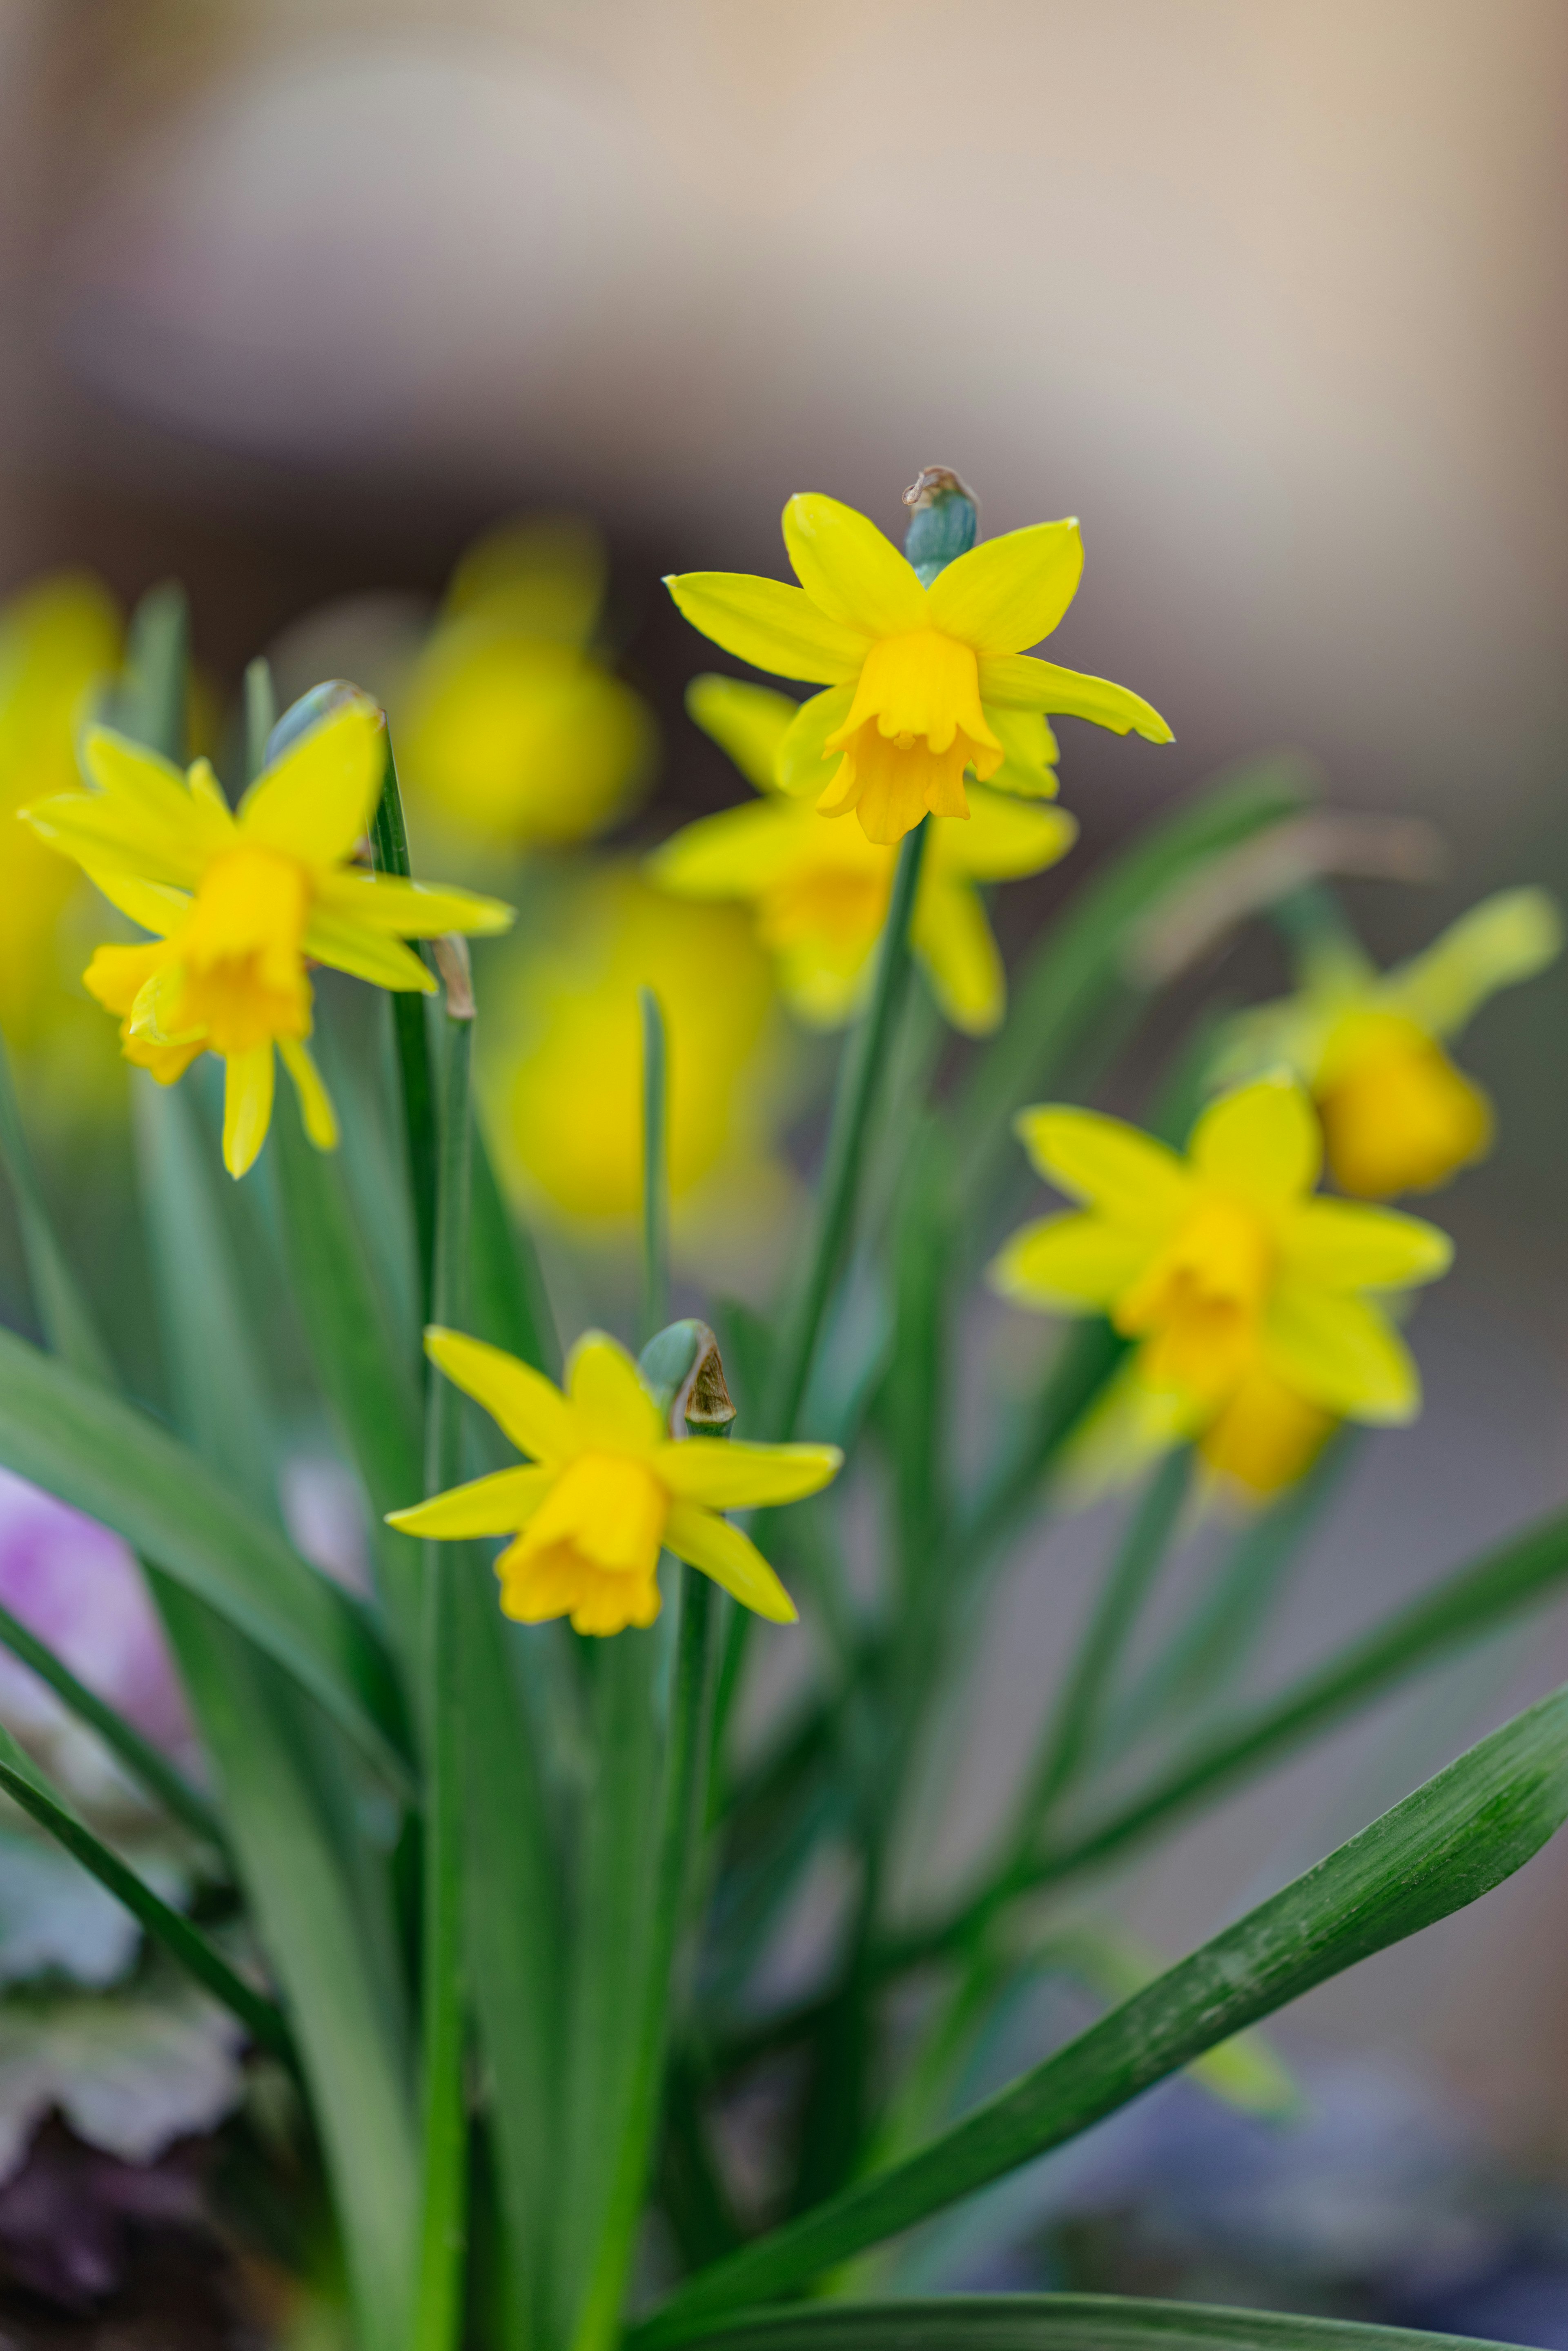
x=561, y=1053
x=59, y=642
x=1225, y=1271
x=924, y=684
x=820, y=890
x=606, y=1489
x=512, y=730
x=237, y=903
x=1398, y=1115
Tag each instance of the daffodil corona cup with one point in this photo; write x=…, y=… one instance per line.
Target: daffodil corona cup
x=242, y=901
x=926, y=684
x=606, y=1489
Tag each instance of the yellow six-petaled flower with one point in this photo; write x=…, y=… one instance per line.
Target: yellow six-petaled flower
x=924, y=685
x=240, y=902
x=1254, y=1306
x=606, y=1489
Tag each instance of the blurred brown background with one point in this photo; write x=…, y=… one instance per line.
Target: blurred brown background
x=295, y=296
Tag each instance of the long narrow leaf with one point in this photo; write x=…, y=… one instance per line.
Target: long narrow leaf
x=1060, y=2322
x=1455, y=1838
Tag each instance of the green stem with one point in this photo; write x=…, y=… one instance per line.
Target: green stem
x=656, y=1168
x=438, y=2299
x=261, y=714
x=684, y=1804
x=388, y=853
x=157, y=660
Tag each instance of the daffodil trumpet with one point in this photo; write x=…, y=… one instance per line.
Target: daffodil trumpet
x=924, y=685
x=241, y=903
x=605, y=1488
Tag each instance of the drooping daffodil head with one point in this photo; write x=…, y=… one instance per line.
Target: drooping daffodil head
x=560, y=1063
x=924, y=685
x=1224, y=1269
x=1399, y=1115
x=239, y=901
x=819, y=892
x=605, y=1488
x=513, y=731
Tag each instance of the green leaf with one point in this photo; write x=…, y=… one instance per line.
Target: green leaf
x=65, y=1317
x=389, y=849
x=1059, y=2322
x=1455, y=1838
x=508, y=1301
x=115, y=1462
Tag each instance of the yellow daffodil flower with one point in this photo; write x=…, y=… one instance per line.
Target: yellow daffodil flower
x=513, y=732
x=561, y=1059
x=819, y=892
x=239, y=901
x=924, y=685
x=1398, y=1115
x=606, y=1489
x=1222, y=1266
x=59, y=642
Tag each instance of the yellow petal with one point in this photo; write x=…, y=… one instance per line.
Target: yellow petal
x=805, y=765
x=1019, y=681
x=730, y=1475
x=735, y=854
x=748, y=723
x=1341, y=1353
x=1262, y=1141
x=1069, y=1264
x=849, y=569
x=544, y=577
x=391, y=907
x=1508, y=938
x=529, y=1407
x=1003, y=839
x=825, y=982
x=113, y=837
x=1126, y=1175
x=315, y=1102
x=247, y=1106
x=318, y=799
x=612, y=1409
x=770, y=625
x=497, y=1505
x=1009, y=593
x=732, y=1560
x=1030, y=752
x=951, y=939
x=1335, y=1245
x=332, y=938
x=155, y=905
x=135, y=777
x=1128, y=1426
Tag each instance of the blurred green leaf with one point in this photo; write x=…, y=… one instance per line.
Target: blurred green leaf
x=1455, y=1838
x=1058, y=2321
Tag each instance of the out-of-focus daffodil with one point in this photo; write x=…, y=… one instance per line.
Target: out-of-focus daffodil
x=238, y=901
x=820, y=890
x=1239, y=1288
x=924, y=685
x=562, y=1056
x=1398, y=1115
x=605, y=1488
x=513, y=731
x=59, y=643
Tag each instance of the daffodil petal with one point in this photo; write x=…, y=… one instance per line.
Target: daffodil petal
x=135, y=777
x=773, y=626
x=156, y=905
x=529, y=1408
x=318, y=799
x=1508, y=938
x=247, y=1106
x=393, y=907
x=1339, y=1244
x=951, y=940
x=1069, y=1264
x=748, y=722
x=314, y=1102
x=1029, y=753
x=805, y=766
x=334, y=939
x=110, y=836
x=721, y=1551
x=726, y=1475
x=1004, y=839
x=1128, y=1176
x=1341, y=1353
x=733, y=854
x=1263, y=1141
x=497, y=1505
x=849, y=570
x=612, y=1409
x=1019, y=681
x=1009, y=593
